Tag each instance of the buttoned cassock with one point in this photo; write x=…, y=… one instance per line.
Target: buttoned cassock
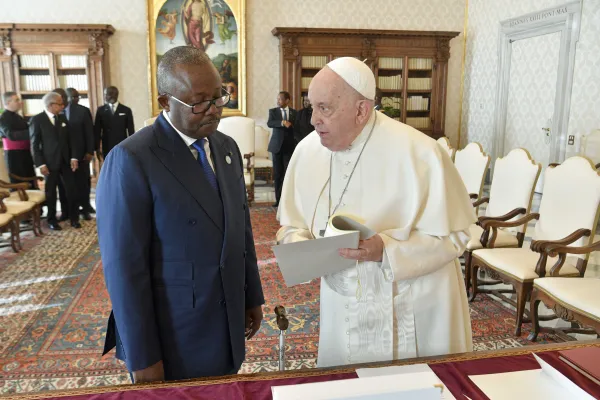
x=405, y=188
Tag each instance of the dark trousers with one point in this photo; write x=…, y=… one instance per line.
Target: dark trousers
x=280, y=164
x=67, y=178
x=20, y=163
x=83, y=187
x=83, y=183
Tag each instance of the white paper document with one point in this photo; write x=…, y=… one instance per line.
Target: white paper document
x=302, y=262
x=394, y=370
x=546, y=383
x=389, y=387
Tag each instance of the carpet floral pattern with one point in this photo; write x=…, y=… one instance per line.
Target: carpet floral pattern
x=54, y=306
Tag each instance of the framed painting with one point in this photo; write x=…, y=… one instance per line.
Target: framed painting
x=216, y=26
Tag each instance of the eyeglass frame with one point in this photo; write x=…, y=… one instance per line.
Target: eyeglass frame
x=210, y=102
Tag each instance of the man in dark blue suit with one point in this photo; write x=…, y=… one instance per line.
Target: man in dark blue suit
x=175, y=234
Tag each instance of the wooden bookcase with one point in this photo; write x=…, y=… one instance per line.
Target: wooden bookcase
x=410, y=67
x=37, y=58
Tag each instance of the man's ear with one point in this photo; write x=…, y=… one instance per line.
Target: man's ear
x=362, y=114
x=163, y=100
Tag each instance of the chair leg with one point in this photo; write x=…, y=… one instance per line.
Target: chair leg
x=467, y=256
x=474, y=270
x=37, y=221
x=14, y=236
x=535, y=322
x=522, y=288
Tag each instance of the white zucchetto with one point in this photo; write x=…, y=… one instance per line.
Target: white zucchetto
x=356, y=74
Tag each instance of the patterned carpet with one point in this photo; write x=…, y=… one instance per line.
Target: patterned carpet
x=53, y=310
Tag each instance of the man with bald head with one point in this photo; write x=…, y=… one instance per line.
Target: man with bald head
x=175, y=234
x=405, y=297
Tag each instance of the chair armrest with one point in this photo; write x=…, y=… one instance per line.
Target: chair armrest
x=248, y=157
x=481, y=201
x=597, y=166
x=20, y=187
x=505, y=217
x=27, y=179
x=486, y=232
x=539, y=246
x=7, y=185
x=473, y=196
x=494, y=224
x=3, y=195
x=552, y=248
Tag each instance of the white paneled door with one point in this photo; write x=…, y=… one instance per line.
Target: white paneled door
x=531, y=96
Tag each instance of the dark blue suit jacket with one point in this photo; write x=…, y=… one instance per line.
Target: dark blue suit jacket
x=179, y=259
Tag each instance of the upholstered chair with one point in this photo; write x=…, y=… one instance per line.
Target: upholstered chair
x=511, y=193
x=241, y=129
x=445, y=143
x=567, y=217
x=263, y=164
x=8, y=224
x=472, y=164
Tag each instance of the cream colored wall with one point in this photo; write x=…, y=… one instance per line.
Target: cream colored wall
x=129, y=53
x=263, y=51
x=128, y=46
x=482, y=61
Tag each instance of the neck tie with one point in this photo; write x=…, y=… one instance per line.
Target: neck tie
x=112, y=109
x=284, y=114
x=203, y=160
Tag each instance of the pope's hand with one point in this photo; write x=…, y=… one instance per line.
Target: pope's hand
x=368, y=250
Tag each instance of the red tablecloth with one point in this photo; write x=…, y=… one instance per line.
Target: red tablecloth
x=454, y=374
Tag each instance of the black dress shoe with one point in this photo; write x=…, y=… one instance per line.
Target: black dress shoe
x=54, y=226
x=86, y=216
x=76, y=225
x=276, y=205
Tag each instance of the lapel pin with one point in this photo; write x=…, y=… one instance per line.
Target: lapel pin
x=228, y=159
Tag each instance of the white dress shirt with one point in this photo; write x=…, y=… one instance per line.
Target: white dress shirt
x=189, y=141
x=113, y=106
x=286, y=116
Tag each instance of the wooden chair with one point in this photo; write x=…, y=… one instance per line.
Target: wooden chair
x=27, y=192
x=568, y=214
x=511, y=194
x=472, y=164
x=241, y=129
x=574, y=300
x=445, y=143
x=263, y=165
x=8, y=224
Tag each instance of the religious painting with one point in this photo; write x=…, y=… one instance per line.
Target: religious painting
x=215, y=26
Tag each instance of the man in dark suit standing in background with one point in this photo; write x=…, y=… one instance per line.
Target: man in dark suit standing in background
x=55, y=153
x=81, y=127
x=282, y=142
x=175, y=234
x=303, y=127
x=113, y=124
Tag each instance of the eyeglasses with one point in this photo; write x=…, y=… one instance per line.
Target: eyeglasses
x=204, y=106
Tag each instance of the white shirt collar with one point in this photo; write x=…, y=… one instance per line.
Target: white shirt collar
x=50, y=116
x=188, y=140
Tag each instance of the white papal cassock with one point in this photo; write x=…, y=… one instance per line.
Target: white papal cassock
x=406, y=188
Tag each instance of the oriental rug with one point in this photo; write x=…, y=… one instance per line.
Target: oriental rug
x=54, y=306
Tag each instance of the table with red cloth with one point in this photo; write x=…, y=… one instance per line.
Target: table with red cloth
x=453, y=370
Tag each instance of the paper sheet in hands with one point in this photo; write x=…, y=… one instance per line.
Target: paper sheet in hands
x=304, y=261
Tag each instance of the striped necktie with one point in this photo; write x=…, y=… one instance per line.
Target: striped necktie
x=203, y=160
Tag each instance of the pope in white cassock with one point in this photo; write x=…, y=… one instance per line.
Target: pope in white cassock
x=406, y=296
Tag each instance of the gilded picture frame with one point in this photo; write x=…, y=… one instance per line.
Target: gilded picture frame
x=216, y=26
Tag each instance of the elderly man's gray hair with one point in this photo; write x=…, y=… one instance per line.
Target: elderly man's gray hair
x=50, y=98
x=182, y=55
x=6, y=96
